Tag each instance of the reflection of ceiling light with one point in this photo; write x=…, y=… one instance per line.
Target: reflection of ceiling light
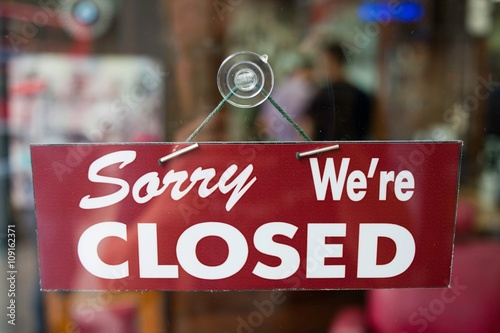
x=86, y=12
x=404, y=11
x=86, y=19
x=479, y=17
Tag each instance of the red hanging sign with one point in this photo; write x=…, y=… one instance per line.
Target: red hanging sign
x=238, y=216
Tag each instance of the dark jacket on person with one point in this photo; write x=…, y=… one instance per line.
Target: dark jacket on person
x=340, y=111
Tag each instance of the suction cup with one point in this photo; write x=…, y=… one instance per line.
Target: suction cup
x=248, y=76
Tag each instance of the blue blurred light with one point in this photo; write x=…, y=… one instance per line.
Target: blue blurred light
x=382, y=11
x=86, y=12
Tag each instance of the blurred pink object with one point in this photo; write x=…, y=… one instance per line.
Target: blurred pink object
x=471, y=305
x=121, y=318
x=465, y=218
x=349, y=320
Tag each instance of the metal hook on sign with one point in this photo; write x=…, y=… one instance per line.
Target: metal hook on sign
x=176, y=153
x=316, y=151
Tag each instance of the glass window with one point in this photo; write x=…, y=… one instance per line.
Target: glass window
x=101, y=71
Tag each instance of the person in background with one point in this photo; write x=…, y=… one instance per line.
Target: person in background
x=294, y=96
x=340, y=111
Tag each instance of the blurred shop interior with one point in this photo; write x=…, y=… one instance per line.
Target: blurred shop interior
x=145, y=71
